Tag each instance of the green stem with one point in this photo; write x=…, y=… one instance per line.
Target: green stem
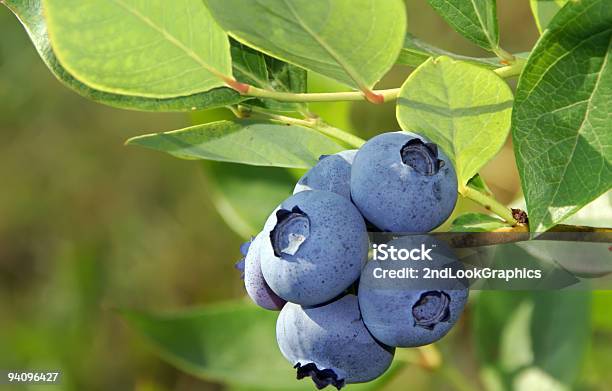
x=512, y=70
x=504, y=55
x=431, y=358
x=315, y=124
x=388, y=95
x=489, y=203
x=235, y=110
x=283, y=118
x=378, y=96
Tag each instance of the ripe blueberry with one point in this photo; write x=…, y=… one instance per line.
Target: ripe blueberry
x=314, y=247
x=331, y=173
x=408, y=312
x=330, y=343
x=254, y=282
x=402, y=183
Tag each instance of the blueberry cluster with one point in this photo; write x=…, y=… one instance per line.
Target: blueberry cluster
x=337, y=324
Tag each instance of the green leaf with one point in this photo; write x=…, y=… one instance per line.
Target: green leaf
x=280, y=75
x=518, y=334
x=30, y=14
x=476, y=20
x=352, y=41
x=251, y=67
x=232, y=343
x=476, y=222
x=544, y=11
x=561, y=123
x=602, y=316
x=259, y=143
x=269, y=73
x=415, y=52
x=236, y=188
x=155, y=49
x=463, y=108
x=225, y=343
x=597, y=213
x=284, y=77
x=478, y=183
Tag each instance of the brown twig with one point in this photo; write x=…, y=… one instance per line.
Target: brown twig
x=520, y=233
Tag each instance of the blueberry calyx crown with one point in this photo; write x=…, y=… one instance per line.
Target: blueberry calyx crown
x=291, y=230
x=321, y=377
x=240, y=267
x=431, y=309
x=422, y=157
x=244, y=249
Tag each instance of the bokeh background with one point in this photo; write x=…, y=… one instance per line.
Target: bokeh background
x=88, y=225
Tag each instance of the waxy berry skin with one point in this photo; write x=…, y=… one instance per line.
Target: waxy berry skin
x=330, y=343
x=314, y=248
x=256, y=286
x=331, y=173
x=412, y=311
x=403, y=183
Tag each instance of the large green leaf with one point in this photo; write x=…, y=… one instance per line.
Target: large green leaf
x=519, y=338
x=474, y=19
x=352, y=41
x=249, y=66
x=259, y=143
x=156, y=49
x=236, y=188
x=30, y=14
x=544, y=11
x=562, y=118
x=597, y=213
x=232, y=343
x=462, y=107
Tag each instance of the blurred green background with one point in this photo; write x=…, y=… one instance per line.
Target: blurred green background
x=88, y=225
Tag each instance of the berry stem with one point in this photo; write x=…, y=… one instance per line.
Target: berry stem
x=489, y=202
x=430, y=357
x=379, y=96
